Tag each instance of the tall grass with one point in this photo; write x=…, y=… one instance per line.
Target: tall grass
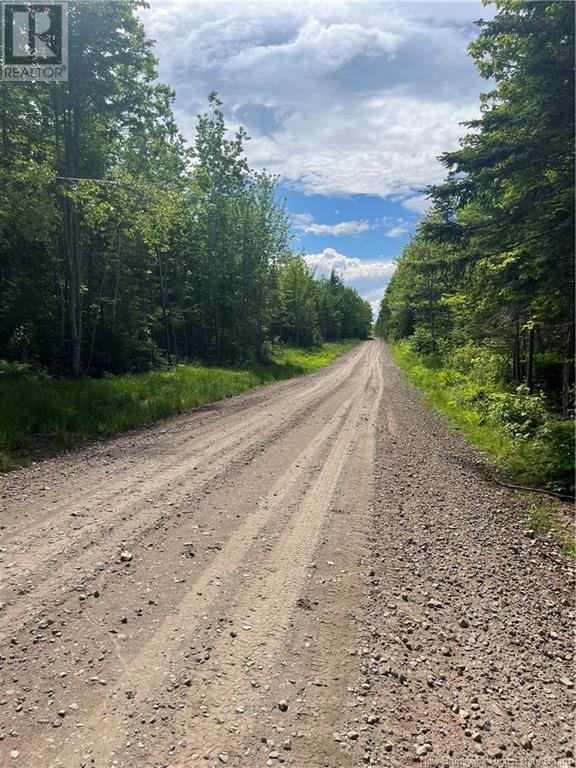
x=41, y=414
x=514, y=430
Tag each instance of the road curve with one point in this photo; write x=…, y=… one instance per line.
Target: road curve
x=310, y=573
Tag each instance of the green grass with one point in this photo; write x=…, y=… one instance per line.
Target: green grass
x=442, y=387
x=540, y=455
x=543, y=516
x=41, y=414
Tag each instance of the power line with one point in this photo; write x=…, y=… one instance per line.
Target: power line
x=118, y=183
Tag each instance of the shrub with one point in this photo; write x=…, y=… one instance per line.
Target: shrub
x=520, y=413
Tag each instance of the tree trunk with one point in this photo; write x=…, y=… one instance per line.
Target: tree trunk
x=214, y=298
x=530, y=361
x=516, y=372
x=164, y=307
x=67, y=121
x=568, y=373
x=431, y=298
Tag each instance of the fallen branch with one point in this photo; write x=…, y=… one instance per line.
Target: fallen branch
x=533, y=490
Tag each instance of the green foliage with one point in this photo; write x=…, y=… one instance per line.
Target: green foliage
x=41, y=414
x=519, y=412
x=515, y=430
x=491, y=265
x=545, y=517
x=122, y=248
x=484, y=292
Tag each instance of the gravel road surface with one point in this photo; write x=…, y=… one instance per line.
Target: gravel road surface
x=313, y=573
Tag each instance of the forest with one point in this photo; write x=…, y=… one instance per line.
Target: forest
x=481, y=307
x=123, y=248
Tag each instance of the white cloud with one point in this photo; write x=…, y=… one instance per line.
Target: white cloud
x=341, y=98
x=305, y=223
x=351, y=269
x=318, y=49
x=368, y=277
x=396, y=231
x=417, y=204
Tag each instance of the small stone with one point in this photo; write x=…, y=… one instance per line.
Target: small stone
x=352, y=735
x=567, y=682
x=372, y=719
x=126, y=556
x=14, y=754
x=283, y=705
x=526, y=743
x=223, y=757
x=45, y=623
x=463, y=623
x=433, y=603
x=494, y=753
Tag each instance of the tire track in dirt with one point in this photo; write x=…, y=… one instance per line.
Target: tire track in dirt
x=127, y=658
x=340, y=554
x=89, y=545
x=156, y=454
x=139, y=674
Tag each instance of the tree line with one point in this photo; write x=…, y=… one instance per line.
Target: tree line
x=488, y=277
x=121, y=246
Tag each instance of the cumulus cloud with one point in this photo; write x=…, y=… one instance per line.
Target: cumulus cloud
x=369, y=277
x=304, y=222
x=318, y=49
x=340, y=98
x=417, y=204
x=351, y=269
x=396, y=231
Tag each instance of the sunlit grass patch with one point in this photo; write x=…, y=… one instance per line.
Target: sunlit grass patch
x=512, y=430
x=544, y=459
x=545, y=517
x=41, y=414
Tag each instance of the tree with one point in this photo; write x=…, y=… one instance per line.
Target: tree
x=492, y=264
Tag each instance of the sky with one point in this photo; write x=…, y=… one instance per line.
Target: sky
x=350, y=103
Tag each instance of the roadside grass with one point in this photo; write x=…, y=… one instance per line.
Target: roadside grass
x=542, y=458
x=42, y=414
x=544, y=517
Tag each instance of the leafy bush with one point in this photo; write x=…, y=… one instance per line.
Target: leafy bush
x=517, y=431
x=518, y=412
x=553, y=454
x=421, y=341
x=484, y=364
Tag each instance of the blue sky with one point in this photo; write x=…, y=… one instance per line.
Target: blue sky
x=350, y=103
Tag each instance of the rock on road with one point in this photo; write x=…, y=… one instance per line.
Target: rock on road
x=313, y=573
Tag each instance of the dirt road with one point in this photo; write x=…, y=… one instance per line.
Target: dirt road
x=313, y=573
